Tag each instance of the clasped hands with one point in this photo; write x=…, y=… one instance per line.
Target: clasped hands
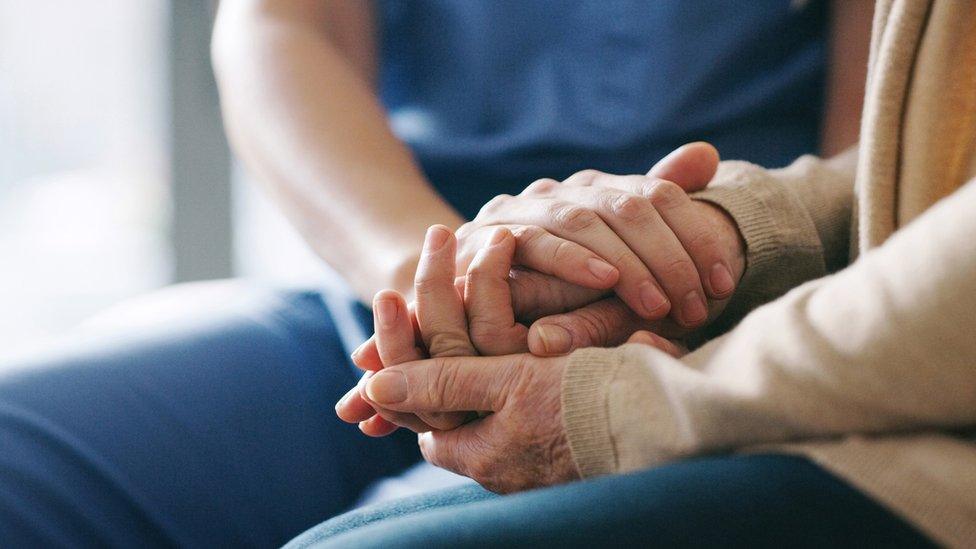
x=595, y=261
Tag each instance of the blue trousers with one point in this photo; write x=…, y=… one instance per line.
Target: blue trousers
x=205, y=418
x=731, y=501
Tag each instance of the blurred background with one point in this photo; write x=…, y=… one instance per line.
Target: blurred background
x=115, y=177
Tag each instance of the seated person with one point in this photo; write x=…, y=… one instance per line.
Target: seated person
x=208, y=421
x=867, y=372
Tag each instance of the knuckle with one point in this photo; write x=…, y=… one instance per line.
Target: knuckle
x=465, y=230
x=665, y=194
x=680, y=269
x=584, y=178
x=632, y=208
x=425, y=285
x=541, y=186
x=563, y=252
x=485, y=334
x=439, y=381
x=625, y=260
x=589, y=329
x=702, y=241
x=600, y=325
x=528, y=236
x=494, y=204
x=480, y=275
x=575, y=218
x=448, y=343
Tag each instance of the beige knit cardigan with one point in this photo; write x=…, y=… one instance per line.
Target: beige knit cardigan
x=869, y=371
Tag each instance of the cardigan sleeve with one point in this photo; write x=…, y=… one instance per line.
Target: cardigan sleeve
x=885, y=345
x=795, y=221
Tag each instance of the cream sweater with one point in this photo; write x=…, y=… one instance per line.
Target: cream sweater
x=869, y=371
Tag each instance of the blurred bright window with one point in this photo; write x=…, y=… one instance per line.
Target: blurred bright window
x=84, y=200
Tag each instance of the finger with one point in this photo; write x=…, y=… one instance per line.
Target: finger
x=606, y=323
x=440, y=311
x=691, y=166
x=366, y=356
x=636, y=220
x=395, y=341
x=535, y=295
x=377, y=426
x=402, y=419
x=696, y=235
x=359, y=407
x=635, y=286
x=542, y=251
x=458, y=450
x=488, y=299
x=446, y=384
x=651, y=339
x=352, y=408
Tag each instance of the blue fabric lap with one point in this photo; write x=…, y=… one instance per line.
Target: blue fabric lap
x=736, y=501
x=216, y=429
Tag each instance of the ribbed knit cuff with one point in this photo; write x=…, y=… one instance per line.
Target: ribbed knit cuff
x=783, y=248
x=585, y=410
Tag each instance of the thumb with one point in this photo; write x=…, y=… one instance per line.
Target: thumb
x=446, y=384
x=651, y=339
x=691, y=166
x=605, y=323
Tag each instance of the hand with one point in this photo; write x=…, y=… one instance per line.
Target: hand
x=609, y=321
x=522, y=444
x=441, y=324
x=646, y=227
x=596, y=320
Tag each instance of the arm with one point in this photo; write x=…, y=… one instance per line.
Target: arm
x=795, y=221
x=795, y=224
x=850, y=38
x=296, y=84
x=883, y=346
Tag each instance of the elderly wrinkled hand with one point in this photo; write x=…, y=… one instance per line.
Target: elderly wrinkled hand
x=522, y=443
x=516, y=441
x=449, y=319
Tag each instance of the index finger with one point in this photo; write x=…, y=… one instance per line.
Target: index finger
x=488, y=299
x=440, y=311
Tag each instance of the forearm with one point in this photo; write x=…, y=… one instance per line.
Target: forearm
x=301, y=114
x=883, y=346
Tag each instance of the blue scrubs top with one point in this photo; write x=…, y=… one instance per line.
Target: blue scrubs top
x=493, y=94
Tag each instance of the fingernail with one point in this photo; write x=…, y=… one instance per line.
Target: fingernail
x=497, y=237
x=346, y=397
x=694, y=310
x=721, y=279
x=436, y=237
x=652, y=298
x=387, y=387
x=359, y=351
x=600, y=268
x=386, y=313
x=555, y=339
